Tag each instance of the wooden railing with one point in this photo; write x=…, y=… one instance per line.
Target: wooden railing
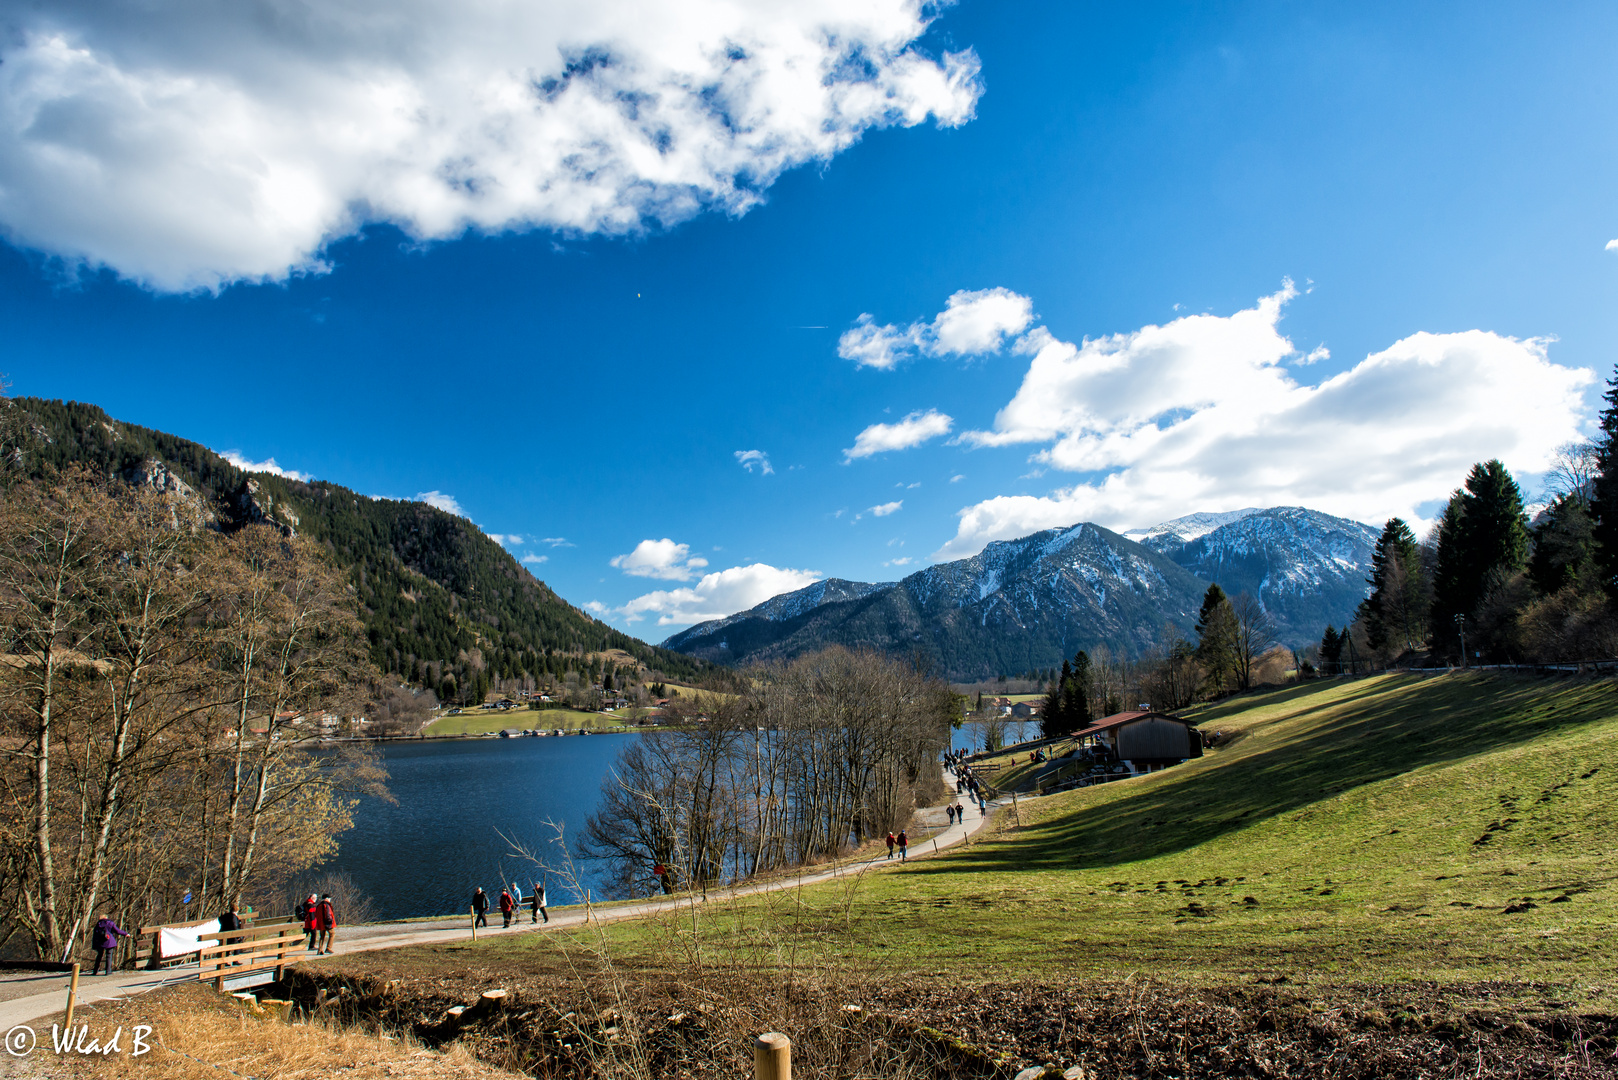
x=147, y=953
x=249, y=952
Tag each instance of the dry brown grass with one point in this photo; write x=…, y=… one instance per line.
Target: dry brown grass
x=201, y=1035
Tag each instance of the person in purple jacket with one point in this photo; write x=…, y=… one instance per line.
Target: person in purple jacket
x=105, y=939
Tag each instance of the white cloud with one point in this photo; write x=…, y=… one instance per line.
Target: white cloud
x=1316, y=354
x=266, y=466
x=596, y=607
x=557, y=541
x=1201, y=414
x=971, y=323
x=957, y=478
x=750, y=458
x=534, y=560
x=505, y=539
x=717, y=595
x=913, y=430
x=190, y=146
x=906, y=561
x=442, y=501
x=885, y=508
x=1612, y=245
x=663, y=559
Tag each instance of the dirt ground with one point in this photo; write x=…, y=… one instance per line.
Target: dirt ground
x=570, y=1021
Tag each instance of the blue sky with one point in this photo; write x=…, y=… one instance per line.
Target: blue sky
x=1173, y=234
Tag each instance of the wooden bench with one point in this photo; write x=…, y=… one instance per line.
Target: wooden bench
x=248, y=956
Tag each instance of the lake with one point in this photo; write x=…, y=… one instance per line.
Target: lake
x=425, y=855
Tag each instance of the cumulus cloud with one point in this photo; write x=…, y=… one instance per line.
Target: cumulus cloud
x=717, y=595
x=534, y=560
x=971, y=323
x=885, y=508
x=662, y=559
x=266, y=466
x=913, y=430
x=1202, y=414
x=505, y=539
x=748, y=459
x=1612, y=245
x=190, y=146
x=442, y=501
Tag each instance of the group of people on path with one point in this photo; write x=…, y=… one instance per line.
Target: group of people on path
x=511, y=902
x=319, y=922
x=902, y=841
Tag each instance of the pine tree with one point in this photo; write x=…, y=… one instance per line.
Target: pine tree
x=1331, y=650
x=1076, y=693
x=1565, y=548
x=1216, y=634
x=1482, y=541
x=1604, y=497
x=1396, y=611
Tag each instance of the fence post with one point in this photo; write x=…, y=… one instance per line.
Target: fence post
x=72, y=992
x=474, y=912
x=772, y=1057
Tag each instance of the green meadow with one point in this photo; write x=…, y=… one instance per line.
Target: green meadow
x=1452, y=829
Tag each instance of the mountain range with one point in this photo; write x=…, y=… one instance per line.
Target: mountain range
x=1027, y=604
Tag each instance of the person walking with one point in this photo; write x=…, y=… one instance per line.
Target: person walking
x=904, y=845
x=538, y=902
x=891, y=842
x=950, y=810
x=311, y=927
x=506, y=904
x=480, y=908
x=105, y=940
x=326, y=920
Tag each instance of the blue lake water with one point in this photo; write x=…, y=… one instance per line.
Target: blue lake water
x=427, y=853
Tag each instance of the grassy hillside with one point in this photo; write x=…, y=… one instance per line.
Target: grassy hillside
x=1461, y=829
x=439, y=598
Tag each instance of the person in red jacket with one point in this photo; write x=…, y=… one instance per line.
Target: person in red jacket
x=325, y=922
x=311, y=926
x=506, y=904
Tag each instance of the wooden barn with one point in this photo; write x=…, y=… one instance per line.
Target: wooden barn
x=1145, y=741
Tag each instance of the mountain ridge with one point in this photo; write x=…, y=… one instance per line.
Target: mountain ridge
x=1058, y=590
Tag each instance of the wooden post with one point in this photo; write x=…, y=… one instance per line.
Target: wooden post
x=1015, y=809
x=72, y=992
x=473, y=909
x=772, y=1057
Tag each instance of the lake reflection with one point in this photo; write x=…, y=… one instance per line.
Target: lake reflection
x=425, y=855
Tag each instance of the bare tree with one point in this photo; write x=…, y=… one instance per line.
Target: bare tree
x=1253, y=633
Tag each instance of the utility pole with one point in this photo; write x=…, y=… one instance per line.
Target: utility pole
x=1460, y=621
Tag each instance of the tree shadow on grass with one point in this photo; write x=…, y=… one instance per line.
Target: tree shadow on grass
x=1382, y=728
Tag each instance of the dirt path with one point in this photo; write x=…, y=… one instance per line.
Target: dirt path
x=29, y=996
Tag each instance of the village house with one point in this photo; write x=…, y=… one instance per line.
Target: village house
x=1143, y=740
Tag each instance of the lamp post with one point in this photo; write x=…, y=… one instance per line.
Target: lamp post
x=1460, y=622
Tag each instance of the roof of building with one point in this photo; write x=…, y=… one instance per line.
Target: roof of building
x=1117, y=719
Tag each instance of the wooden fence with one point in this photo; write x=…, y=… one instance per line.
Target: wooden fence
x=246, y=957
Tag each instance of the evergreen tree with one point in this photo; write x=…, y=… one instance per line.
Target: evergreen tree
x=1331, y=650
x=1565, y=551
x=1216, y=637
x=1482, y=541
x=1396, y=611
x=1604, y=494
x=1052, y=722
x=1076, y=693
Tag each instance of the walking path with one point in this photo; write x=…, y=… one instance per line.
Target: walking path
x=29, y=996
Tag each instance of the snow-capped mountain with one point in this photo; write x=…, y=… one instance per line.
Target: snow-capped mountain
x=1191, y=526
x=1032, y=602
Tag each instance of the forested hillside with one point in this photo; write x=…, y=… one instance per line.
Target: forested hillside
x=444, y=606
